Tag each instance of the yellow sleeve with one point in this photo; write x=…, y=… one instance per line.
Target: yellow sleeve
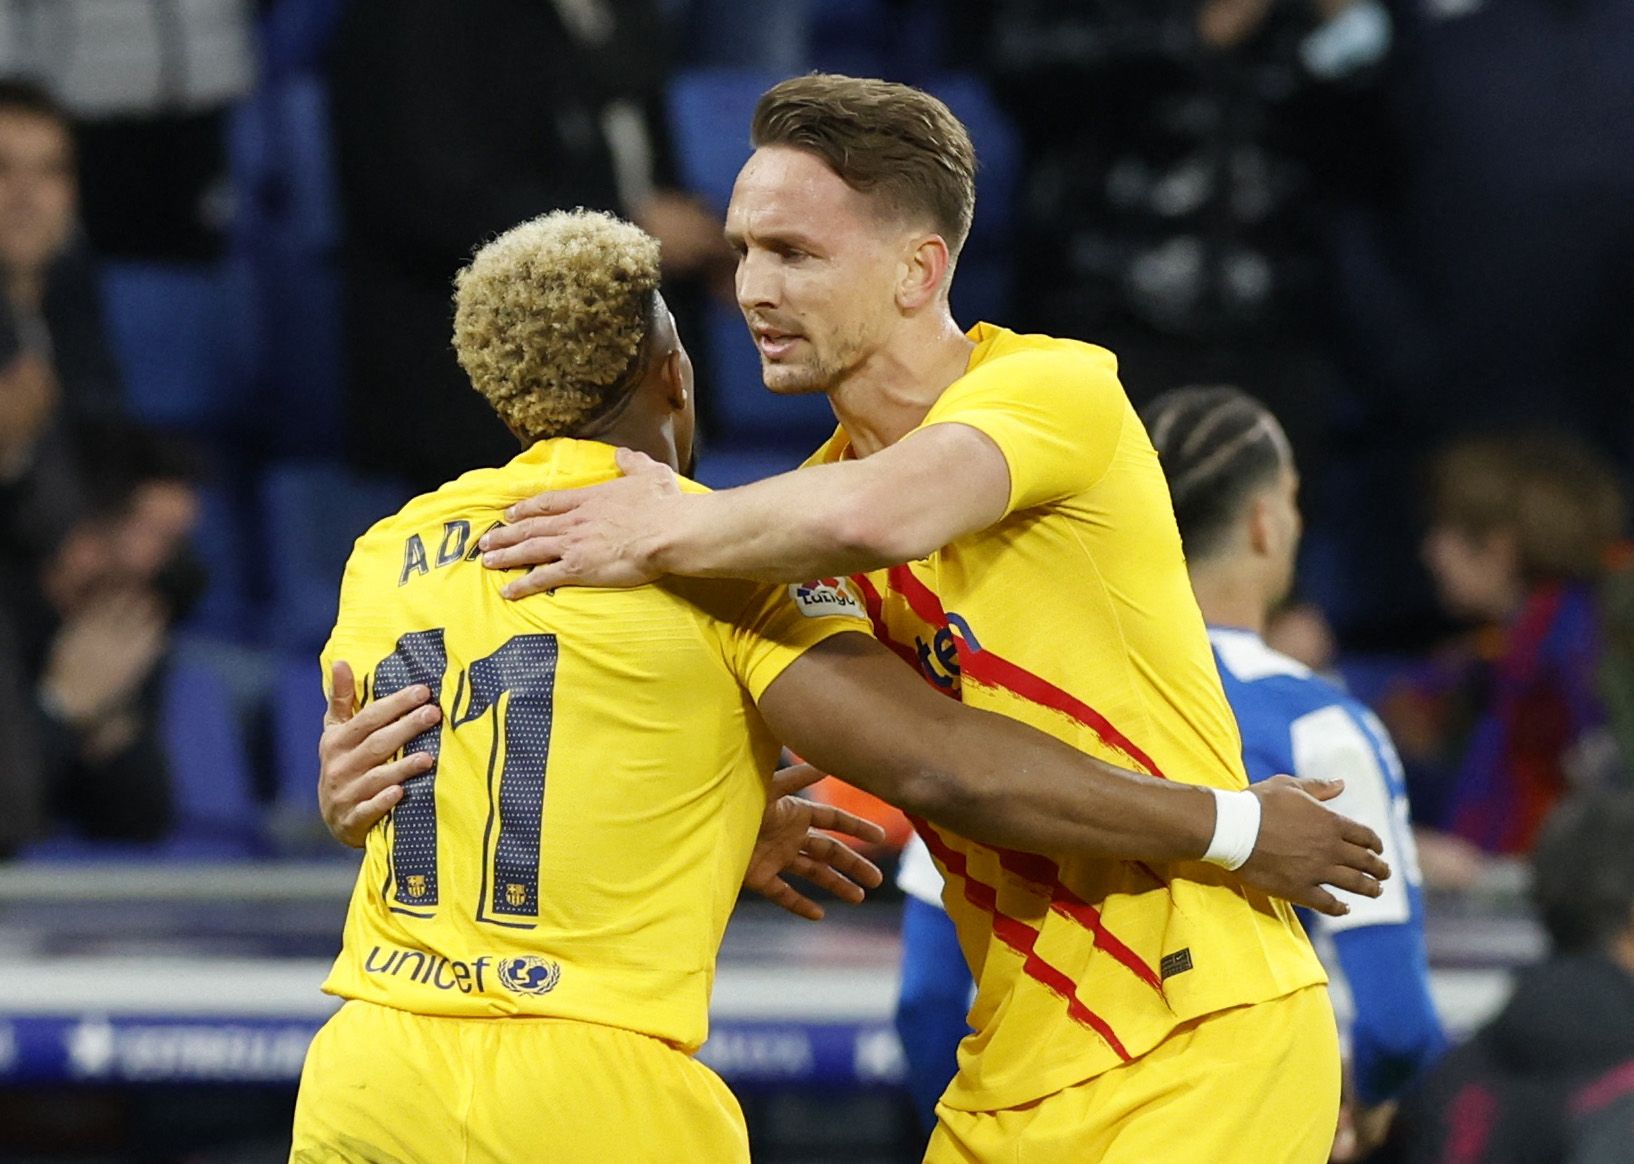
x=763, y=628
x=1057, y=417
x=360, y=622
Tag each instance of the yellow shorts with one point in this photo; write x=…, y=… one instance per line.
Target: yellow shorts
x=383, y=1086
x=1251, y=1085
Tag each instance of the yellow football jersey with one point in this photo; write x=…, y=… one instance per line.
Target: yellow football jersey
x=1074, y=614
x=601, y=769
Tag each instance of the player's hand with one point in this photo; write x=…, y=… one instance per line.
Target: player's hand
x=1304, y=847
x=790, y=842
x=601, y=535
x=358, y=781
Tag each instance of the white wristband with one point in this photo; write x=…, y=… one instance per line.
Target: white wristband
x=1236, y=828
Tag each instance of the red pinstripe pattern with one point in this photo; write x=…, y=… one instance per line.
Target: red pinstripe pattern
x=1022, y=938
x=876, y=614
x=990, y=670
x=1046, y=873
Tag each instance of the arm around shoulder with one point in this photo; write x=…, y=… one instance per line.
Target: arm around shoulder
x=901, y=504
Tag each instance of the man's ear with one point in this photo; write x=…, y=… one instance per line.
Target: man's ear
x=673, y=379
x=1261, y=524
x=924, y=272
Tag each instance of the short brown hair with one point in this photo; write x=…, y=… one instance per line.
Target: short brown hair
x=881, y=138
x=550, y=319
x=1558, y=498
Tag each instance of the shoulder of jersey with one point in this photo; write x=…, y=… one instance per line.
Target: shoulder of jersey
x=1069, y=355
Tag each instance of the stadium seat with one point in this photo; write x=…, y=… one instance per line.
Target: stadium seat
x=183, y=337
x=709, y=111
x=216, y=811
x=728, y=468
x=312, y=512
x=986, y=274
x=296, y=721
x=224, y=609
x=288, y=233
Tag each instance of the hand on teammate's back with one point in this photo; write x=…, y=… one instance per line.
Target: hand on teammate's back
x=1304, y=846
x=600, y=535
x=790, y=842
x=358, y=781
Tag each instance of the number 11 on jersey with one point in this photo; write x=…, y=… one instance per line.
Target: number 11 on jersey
x=524, y=669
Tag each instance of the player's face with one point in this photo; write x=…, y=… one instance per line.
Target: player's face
x=817, y=269
x=36, y=190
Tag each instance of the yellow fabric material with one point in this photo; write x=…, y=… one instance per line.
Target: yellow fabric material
x=601, y=769
x=1074, y=614
x=383, y=1086
x=1252, y=1085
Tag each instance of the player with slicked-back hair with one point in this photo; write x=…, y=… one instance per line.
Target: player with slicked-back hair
x=901, y=145
x=1000, y=506
x=583, y=773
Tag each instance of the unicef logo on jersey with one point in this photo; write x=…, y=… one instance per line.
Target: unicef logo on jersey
x=526, y=974
x=826, y=596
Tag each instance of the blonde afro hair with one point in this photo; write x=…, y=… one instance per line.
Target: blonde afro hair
x=550, y=318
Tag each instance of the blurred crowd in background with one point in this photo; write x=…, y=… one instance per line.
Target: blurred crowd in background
x=228, y=232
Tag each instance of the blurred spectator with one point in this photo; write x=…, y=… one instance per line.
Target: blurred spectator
x=54, y=364
x=1497, y=281
x=145, y=80
x=1179, y=219
x=82, y=644
x=1522, y=531
x=1551, y=1079
x=454, y=122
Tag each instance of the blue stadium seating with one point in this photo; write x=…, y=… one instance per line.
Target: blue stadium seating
x=288, y=234
x=296, y=721
x=183, y=336
x=312, y=512
x=986, y=273
x=224, y=609
x=740, y=466
x=216, y=811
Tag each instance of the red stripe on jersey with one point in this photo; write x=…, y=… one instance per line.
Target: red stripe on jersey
x=991, y=670
x=921, y=598
x=876, y=615
x=1043, y=872
x=1020, y=937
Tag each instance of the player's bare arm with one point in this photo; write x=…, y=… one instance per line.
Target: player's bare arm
x=850, y=707
x=902, y=503
x=359, y=782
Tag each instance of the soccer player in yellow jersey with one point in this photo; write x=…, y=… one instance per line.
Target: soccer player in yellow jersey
x=531, y=943
x=1004, y=517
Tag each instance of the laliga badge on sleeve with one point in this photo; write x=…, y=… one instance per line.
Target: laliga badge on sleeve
x=826, y=596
